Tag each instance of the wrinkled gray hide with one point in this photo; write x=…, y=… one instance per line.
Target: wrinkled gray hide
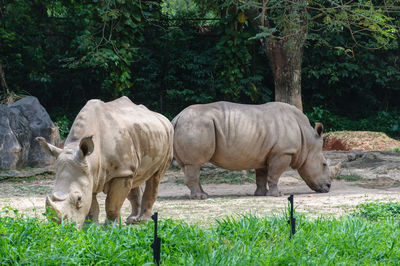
x=20, y=123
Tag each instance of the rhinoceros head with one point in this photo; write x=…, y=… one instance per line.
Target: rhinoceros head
x=316, y=171
x=72, y=194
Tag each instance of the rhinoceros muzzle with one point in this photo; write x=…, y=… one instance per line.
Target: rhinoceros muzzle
x=323, y=189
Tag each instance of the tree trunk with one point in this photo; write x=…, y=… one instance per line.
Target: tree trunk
x=3, y=80
x=284, y=47
x=286, y=66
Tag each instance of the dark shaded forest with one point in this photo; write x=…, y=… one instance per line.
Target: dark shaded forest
x=167, y=57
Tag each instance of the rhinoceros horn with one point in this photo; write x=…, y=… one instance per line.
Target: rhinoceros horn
x=53, y=206
x=47, y=146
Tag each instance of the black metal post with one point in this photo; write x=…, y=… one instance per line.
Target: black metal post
x=292, y=220
x=156, y=245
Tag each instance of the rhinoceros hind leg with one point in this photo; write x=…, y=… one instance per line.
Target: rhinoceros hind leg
x=119, y=189
x=192, y=181
x=149, y=197
x=276, y=166
x=261, y=181
x=135, y=198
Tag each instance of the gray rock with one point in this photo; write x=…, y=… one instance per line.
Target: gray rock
x=20, y=124
x=354, y=155
x=10, y=149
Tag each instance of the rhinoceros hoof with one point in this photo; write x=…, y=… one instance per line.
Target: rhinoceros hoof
x=198, y=196
x=138, y=219
x=260, y=192
x=275, y=193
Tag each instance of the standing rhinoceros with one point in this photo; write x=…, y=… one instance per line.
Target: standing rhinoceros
x=268, y=138
x=112, y=147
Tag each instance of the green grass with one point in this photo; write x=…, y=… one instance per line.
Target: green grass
x=25, y=179
x=354, y=239
x=23, y=190
x=34, y=177
x=10, y=170
x=395, y=149
x=351, y=177
x=228, y=177
x=30, y=185
x=378, y=210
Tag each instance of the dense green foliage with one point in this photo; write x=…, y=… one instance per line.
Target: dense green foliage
x=386, y=121
x=66, y=52
x=247, y=240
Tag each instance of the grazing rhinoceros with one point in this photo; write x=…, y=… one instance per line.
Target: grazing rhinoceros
x=112, y=147
x=268, y=138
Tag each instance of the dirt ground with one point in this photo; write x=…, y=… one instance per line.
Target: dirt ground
x=364, y=177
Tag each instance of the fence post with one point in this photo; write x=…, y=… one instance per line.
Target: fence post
x=156, y=245
x=292, y=220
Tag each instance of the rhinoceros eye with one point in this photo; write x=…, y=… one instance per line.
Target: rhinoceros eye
x=79, y=201
x=324, y=164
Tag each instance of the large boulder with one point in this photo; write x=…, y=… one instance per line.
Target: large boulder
x=20, y=124
x=13, y=146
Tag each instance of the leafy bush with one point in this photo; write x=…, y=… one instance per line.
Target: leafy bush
x=350, y=81
x=64, y=124
x=330, y=121
x=381, y=122
x=159, y=54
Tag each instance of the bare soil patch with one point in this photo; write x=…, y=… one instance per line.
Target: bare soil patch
x=359, y=140
x=377, y=179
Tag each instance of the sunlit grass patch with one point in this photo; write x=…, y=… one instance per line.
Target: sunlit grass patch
x=378, y=210
x=244, y=240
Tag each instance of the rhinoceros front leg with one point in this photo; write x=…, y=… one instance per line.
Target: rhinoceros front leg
x=94, y=210
x=117, y=192
x=192, y=181
x=261, y=181
x=135, y=198
x=276, y=166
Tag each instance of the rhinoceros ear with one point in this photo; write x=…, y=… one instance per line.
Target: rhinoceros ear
x=319, y=128
x=48, y=147
x=86, y=146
